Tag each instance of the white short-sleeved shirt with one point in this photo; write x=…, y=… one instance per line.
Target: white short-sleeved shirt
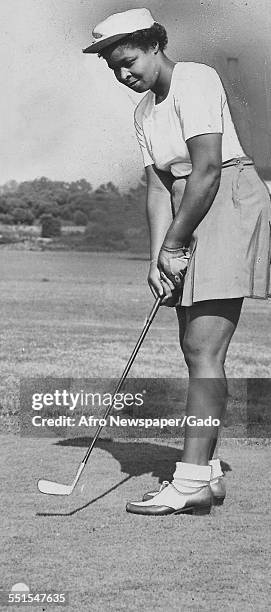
x=196, y=104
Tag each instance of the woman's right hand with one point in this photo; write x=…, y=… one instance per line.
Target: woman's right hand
x=160, y=287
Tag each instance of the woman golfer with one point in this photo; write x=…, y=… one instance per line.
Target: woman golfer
x=209, y=218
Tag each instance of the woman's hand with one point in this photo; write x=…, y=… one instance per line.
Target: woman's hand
x=160, y=285
x=154, y=280
x=172, y=264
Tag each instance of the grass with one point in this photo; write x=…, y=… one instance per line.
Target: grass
x=78, y=315
x=109, y=560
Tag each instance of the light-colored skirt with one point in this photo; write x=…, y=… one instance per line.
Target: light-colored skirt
x=231, y=247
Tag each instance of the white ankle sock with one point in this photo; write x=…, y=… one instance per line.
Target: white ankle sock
x=216, y=468
x=189, y=477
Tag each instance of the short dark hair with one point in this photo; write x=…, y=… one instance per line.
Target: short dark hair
x=143, y=39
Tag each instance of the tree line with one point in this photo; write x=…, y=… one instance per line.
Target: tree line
x=111, y=219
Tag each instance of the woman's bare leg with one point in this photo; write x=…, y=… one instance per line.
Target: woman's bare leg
x=182, y=320
x=182, y=316
x=209, y=328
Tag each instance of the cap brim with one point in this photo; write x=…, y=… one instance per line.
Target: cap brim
x=98, y=46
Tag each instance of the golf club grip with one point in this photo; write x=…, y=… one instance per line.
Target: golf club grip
x=146, y=327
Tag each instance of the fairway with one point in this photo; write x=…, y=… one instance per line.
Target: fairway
x=79, y=315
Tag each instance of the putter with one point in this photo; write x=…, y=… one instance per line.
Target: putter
x=55, y=488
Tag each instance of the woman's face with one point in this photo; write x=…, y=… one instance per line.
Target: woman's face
x=133, y=67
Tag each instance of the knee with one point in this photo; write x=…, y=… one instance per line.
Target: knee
x=196, y=353
x=193, y=354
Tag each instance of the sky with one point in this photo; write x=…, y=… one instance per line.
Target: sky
x=64, y=115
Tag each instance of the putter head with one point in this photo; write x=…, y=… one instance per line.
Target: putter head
x=54, y=488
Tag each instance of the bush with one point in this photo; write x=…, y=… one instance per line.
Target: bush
x=66, y=213
x=50, y=226
x=80, y=218
x=98, y=216
x=22, y=215
x=3, y=205
x=46, y=208
x=105, y=238
x=7, y=219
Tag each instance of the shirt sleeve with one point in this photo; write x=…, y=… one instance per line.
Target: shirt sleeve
x=147, y=160
x=199, y=99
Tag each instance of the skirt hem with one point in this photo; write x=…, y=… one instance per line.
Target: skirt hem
x=227, y=297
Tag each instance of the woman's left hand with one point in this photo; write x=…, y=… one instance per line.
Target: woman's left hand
x=172, y=264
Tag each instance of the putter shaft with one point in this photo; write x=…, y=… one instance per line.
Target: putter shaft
x=53, y=488
x=126, y=370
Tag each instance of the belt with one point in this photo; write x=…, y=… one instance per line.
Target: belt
x=239, y=163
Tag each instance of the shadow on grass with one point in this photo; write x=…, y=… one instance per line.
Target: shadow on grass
x=135, y=459
x=92, y=501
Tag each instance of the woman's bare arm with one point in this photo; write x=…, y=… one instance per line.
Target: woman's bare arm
x=200, y=191
x=201, y=188
x=159, y=211
x=159, y=215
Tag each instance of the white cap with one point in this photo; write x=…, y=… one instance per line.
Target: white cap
x=117, y=26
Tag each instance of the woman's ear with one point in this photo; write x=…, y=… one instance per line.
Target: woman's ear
x=155, y=47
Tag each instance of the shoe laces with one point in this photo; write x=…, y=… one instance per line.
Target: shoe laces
x=164, y=484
